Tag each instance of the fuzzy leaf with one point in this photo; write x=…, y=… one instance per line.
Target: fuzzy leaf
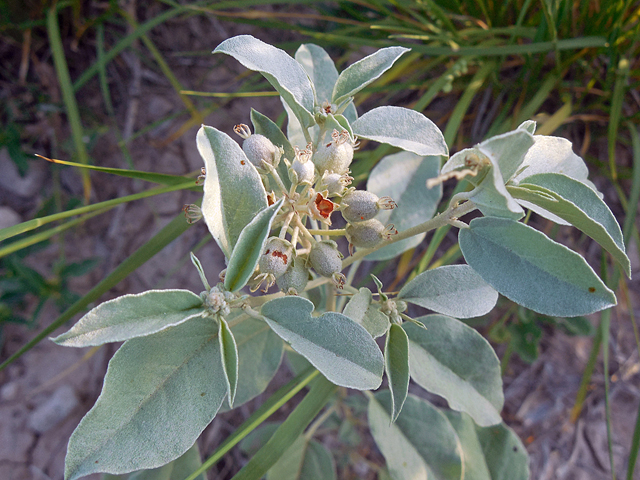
x=342, y=350
x=159, y=394
x=403, y=176
x=402, y=128
x=455, y=290
x=179, y=469
x=233, y=191
x=529, y=268
x=263, y=125
x=228, y=358
x=454, y=361
x=490, y=453
x=362, y=311
x=320, y=68
x=249, y=247
x=363, y=72
x=132, y=316
x=579, y=205
x=420, y=445
x=396, y=366
x=283, y=72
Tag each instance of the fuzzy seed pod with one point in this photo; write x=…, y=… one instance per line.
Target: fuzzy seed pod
x=368, y=234
x=257, y=148
x=335, y=156
x=303, y=166
x=334, y=183
x=277, y=256
x=325, y=258
x=361, y=205
x=295, y=279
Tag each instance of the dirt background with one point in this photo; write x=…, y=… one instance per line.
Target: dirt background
x=45, y=393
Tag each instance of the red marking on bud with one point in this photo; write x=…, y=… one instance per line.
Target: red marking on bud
x=592, y=289
x=281, y=255
x=267, y=252
x=242, y=162
x=328, y=144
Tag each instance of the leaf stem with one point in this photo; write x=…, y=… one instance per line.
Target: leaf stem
x=330, y=233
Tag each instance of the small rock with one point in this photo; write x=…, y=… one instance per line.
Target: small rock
x=12, y=182
x=9, y=391
x=8, y=217
x=54, y=410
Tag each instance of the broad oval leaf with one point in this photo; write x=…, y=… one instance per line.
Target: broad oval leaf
x=402, y=128
x=179, y=469
x=553, y=155
x=508, y=150
x=362, y=311
x=233, y=191
x=342, y=350
x=259, y=356
x=490, y=453
x=228, y=358
x=132, y=316
x=403, y=176
x=454, y=361
x=492, y=198
x=248, y=248
x=304, y=460
x=454, y=290
x=396, y=366
x=420, y=445
x=283, y=72
x=580, y=206
x=320, y=68
x=360, y=74
x=263, y=125
x=529, y=268
x=159, y=394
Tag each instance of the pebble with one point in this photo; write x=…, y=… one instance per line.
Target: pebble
x=54, y=410
x=9, y=391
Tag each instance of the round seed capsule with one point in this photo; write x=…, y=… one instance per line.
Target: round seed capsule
x=295, y=279
x=325, y=258
x=277, y=256
x=365, y=234
x=335, y=156
x=359, y=205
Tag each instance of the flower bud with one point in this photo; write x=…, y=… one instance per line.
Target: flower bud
x=326, y=260
x=360, y=205
x=334, y=183
x=368, y=234
x=257, y=148
x=303, y=167
x=295, y=279
x=277, y=256
x=335, y=156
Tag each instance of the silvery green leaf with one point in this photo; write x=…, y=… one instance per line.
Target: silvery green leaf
x=304, y=460
x=249, y=247
x=420, y=445
x=403, y=176
x=320, y=68
x=402, y=128
x=283, y=72
x=454, y=361
x=179, y=469
x=338, y=122
x=342, y=350
x=362, y=311
x=350, y=112
x=553, y=155
x=140, y=420
x=228, y=358
x=233, y=191
x=580, y=206
x=363, y=72
x=492, y=198
x=508, y=151
x=529, y=268
x=490, y=453
x=295, y=132
x=132, y=316
x=259, y=356
x=454, y=290
x=263, y=125
x=529, y=126
x=396, y=366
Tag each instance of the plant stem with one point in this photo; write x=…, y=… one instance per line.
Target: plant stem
x=338, y=232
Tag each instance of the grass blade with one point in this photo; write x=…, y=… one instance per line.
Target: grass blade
x=616, y=112
x=170, y=232
x=268, y=408
x=68, y=96
x=29, y=225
